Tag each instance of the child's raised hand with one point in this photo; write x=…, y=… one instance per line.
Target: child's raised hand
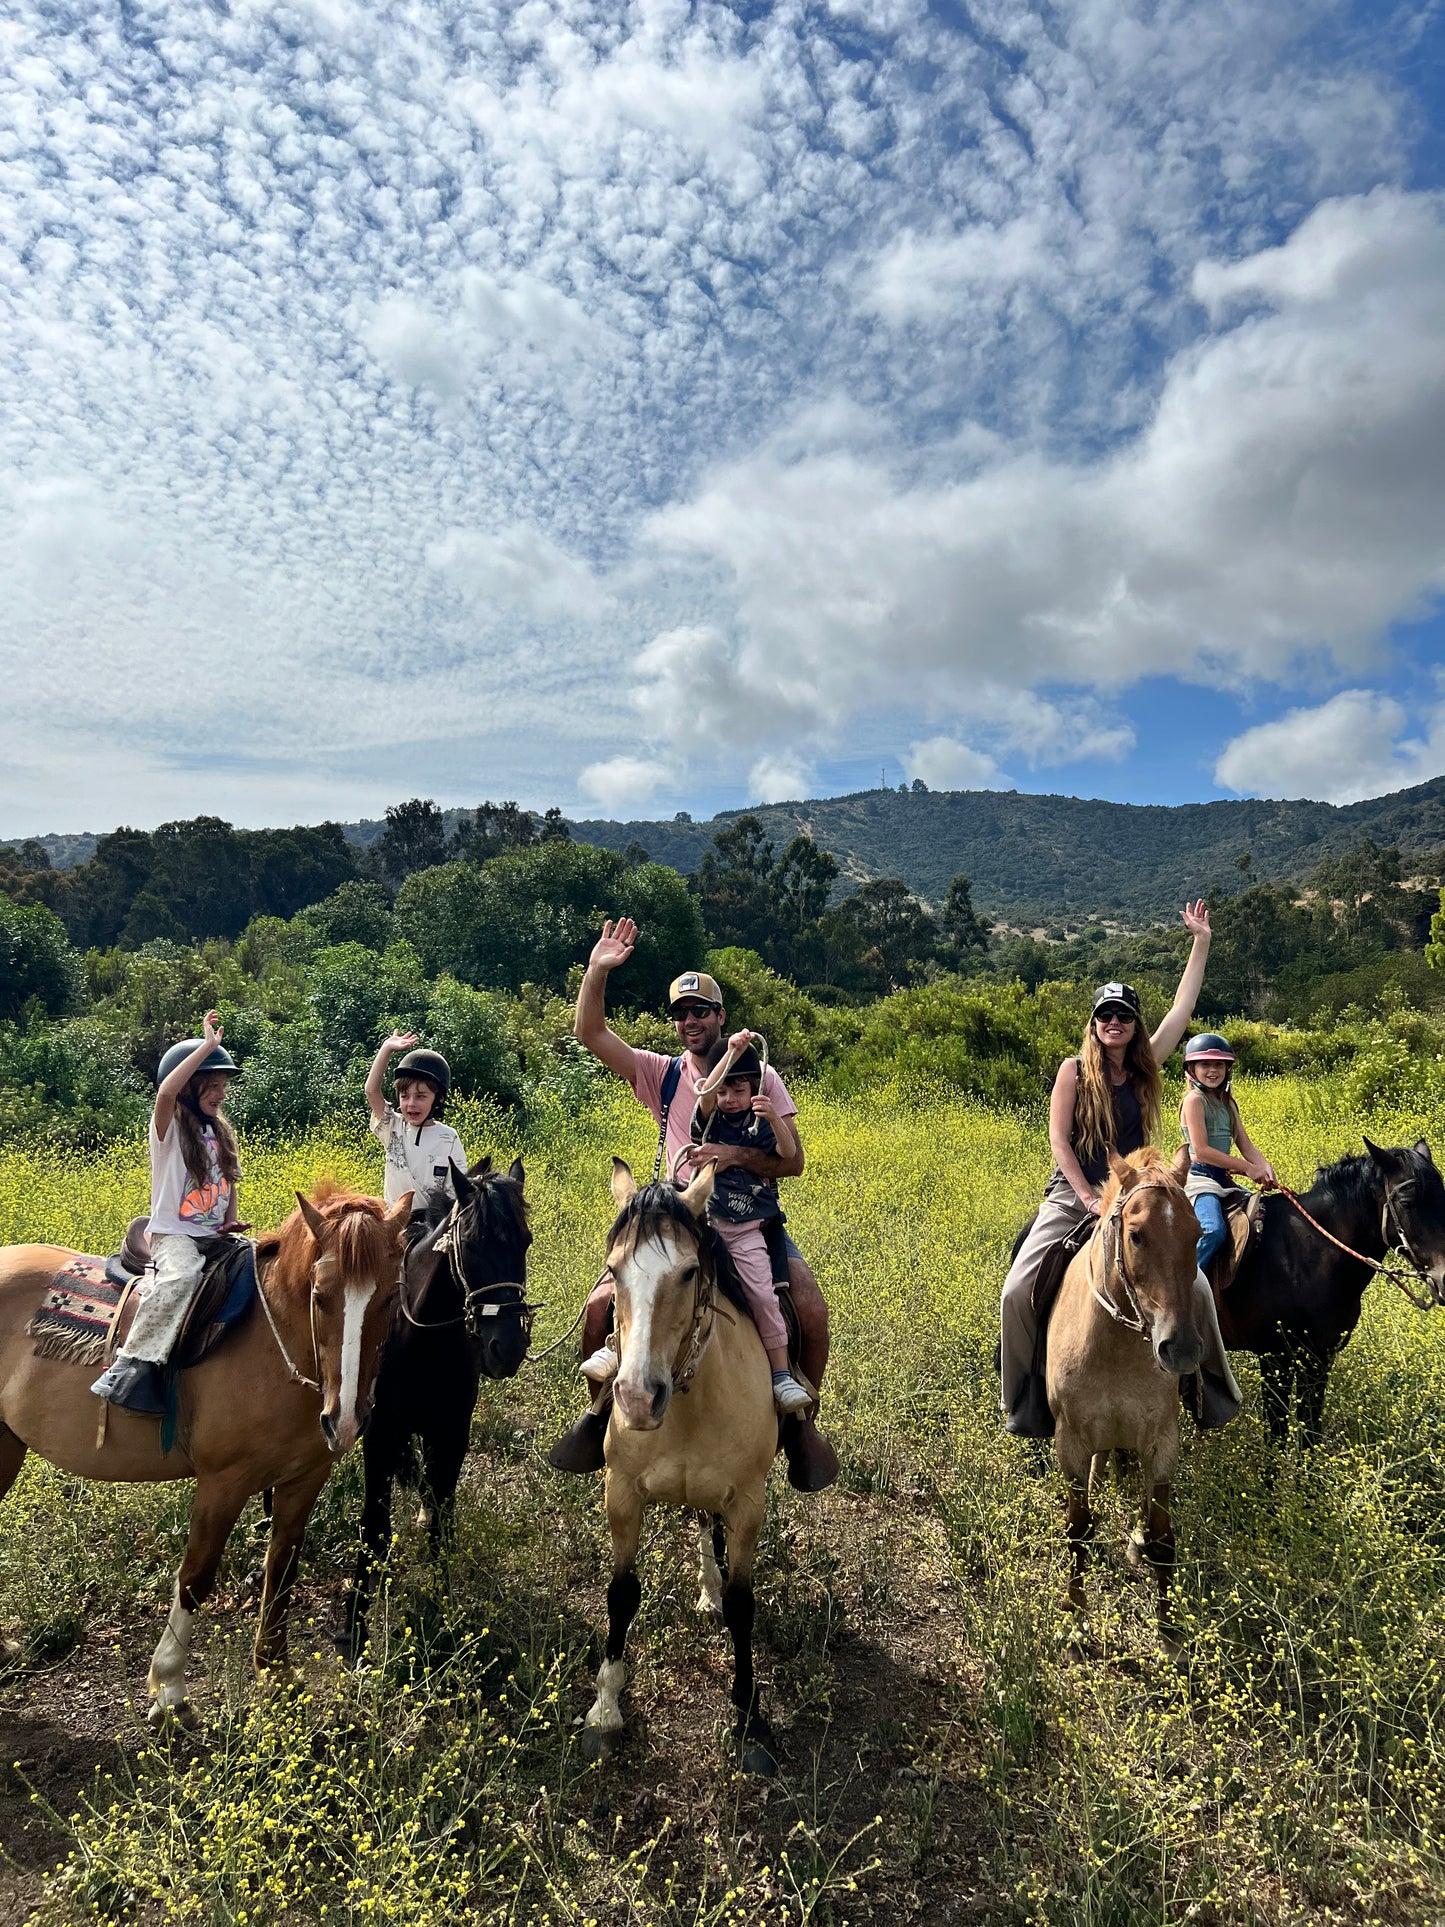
x=212, y=1029
x=402, y=1040
x=739, y=1041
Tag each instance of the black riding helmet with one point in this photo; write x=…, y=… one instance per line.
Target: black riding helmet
x=220, y=1060
x=430, y=1067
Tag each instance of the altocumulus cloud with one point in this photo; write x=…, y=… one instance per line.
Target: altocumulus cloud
x=655, y=392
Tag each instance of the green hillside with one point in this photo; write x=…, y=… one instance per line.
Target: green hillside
x=1031, y=857
x=1045, y=856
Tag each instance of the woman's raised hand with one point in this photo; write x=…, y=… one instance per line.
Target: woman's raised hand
x=1196, y=918
x=615, y=945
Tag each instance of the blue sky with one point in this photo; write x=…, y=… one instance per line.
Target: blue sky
x=672, y=406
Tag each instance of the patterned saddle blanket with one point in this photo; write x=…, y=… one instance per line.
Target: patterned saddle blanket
x=85, y=1314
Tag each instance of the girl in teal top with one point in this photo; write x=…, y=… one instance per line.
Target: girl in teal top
x=1210, y=1120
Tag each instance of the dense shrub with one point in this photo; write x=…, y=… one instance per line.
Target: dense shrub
x=37, y=964
x=73, y=1082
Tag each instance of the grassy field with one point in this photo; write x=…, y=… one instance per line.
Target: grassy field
x=945, y=1761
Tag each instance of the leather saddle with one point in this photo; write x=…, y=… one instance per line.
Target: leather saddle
x=228, y=1284
x=1244, y=1221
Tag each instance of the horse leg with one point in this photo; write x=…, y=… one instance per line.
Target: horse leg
x=214, y=1511
x=1077, y=1467
x=712, y=1555
x=444, y=1451
x=291, y=1510
x=1157, y=1547
x=379, y=1464
x=12, y=1457
x=603, y=1725
x=1276, y=1371
x=1313, y=1372
x=754, y=1735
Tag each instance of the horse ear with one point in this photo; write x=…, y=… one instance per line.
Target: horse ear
x=696, y=1196
x=1179, y=1164
x=399, y=1212
x=517, y=1175
x=481, y=1167
x=315, y=1223
x=624, y=1185
x=465, y=1189
x=1126, y=1174
x=1385, y=1159
x=1422, y=1150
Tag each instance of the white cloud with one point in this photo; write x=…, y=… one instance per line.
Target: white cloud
x=780, y=779
x=518, y=568
x=945, y=764
x=1353, y=746
x=622, y=782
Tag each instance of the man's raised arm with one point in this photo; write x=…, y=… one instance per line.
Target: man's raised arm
x=589, y=1025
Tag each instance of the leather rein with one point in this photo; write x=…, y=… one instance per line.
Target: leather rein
x=1397, y=1245
x=1130, y=1315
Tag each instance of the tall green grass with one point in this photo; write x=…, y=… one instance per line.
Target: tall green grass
x=1294, y=1772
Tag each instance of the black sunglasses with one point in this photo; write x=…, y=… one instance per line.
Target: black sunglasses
x=680, y=1011
x=1116, y=1013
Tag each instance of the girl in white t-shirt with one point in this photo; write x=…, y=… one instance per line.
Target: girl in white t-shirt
x=420, y=1148
x=194, y=1173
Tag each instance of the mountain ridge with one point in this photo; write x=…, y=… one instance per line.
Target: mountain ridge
x=1029, y=855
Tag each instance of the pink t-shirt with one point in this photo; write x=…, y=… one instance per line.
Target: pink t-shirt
x=651, y=1068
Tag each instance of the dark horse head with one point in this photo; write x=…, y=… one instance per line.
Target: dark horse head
x=1412, y=1209
x=480, y=1249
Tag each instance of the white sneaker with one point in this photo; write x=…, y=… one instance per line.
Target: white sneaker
x=601, y=1366
x=789, y=1395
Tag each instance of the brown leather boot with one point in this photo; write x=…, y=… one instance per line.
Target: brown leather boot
x=812, y=1462
x=580, y=1447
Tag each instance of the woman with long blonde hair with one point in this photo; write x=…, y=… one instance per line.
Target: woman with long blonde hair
x=1106, y=1099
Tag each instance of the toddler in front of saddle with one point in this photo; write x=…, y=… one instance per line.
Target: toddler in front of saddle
x=736, y=1115
x=1211, y=1125
x=194, y=1172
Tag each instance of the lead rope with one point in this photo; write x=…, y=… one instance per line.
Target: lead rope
x=1420, y=1300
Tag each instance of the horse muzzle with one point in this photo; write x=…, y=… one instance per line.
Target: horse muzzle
x=340, y=1434
x=1179, y=1351
x=642, y=1408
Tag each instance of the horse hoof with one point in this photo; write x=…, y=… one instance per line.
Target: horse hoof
x=164, y=1714
x=1134, y=1551
x=11, y=1650
x=759, y=1761
x=709, y=1607
x=1175, y=1650
x=599, y=1743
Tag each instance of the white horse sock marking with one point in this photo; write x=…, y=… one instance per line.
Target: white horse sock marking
x=709, y=1599
x=168, y=1662
x=605, y=1711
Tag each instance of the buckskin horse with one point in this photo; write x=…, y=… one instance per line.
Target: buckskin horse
x=250, y=1415
x=693, y=1424
x=462, y=1314
x=1297, y=1297
x=1121, y=1336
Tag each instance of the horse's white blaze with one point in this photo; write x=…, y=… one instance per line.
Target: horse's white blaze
x=709, y=1599
x=646, y=1272
x=168, y=1662
x=605, y=1711
x=353, y=1317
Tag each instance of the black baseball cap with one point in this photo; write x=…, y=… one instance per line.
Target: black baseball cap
x=1124, y=994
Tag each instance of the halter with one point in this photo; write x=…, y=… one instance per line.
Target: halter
x=1130, y=1315
x=446, y=1238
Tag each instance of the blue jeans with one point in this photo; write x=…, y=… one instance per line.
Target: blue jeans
x=1213, y=1229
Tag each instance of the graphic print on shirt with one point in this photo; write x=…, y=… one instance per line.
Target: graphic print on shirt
x=205, y=1204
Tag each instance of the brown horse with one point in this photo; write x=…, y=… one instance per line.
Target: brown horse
x=250, y=1416
x=709, y=1450
x=1121, y=1336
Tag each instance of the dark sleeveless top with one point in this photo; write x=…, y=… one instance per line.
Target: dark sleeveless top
x=1128, y=1132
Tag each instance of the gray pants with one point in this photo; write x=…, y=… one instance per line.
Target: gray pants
x=1059, y=1214
x=167, y=1298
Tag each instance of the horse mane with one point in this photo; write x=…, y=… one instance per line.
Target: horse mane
x=363, y=1242
x=1149, y=1162
x=648, y=1214
x=1352, y=1180
x=499, y=1202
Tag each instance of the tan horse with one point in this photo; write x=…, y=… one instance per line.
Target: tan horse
x=708, y=1448
x=250, y=1416
x=1121, y=1335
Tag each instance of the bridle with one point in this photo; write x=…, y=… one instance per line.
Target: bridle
x=704, y=1316
x=298, y=1377
x=477, y=1302
x=1395, y=1240
x=1130, y=1314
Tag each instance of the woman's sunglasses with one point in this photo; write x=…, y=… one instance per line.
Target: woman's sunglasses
x=1114, y=1014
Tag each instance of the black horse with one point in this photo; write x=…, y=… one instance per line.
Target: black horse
x=1296, y=1297
x=462, y=1314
